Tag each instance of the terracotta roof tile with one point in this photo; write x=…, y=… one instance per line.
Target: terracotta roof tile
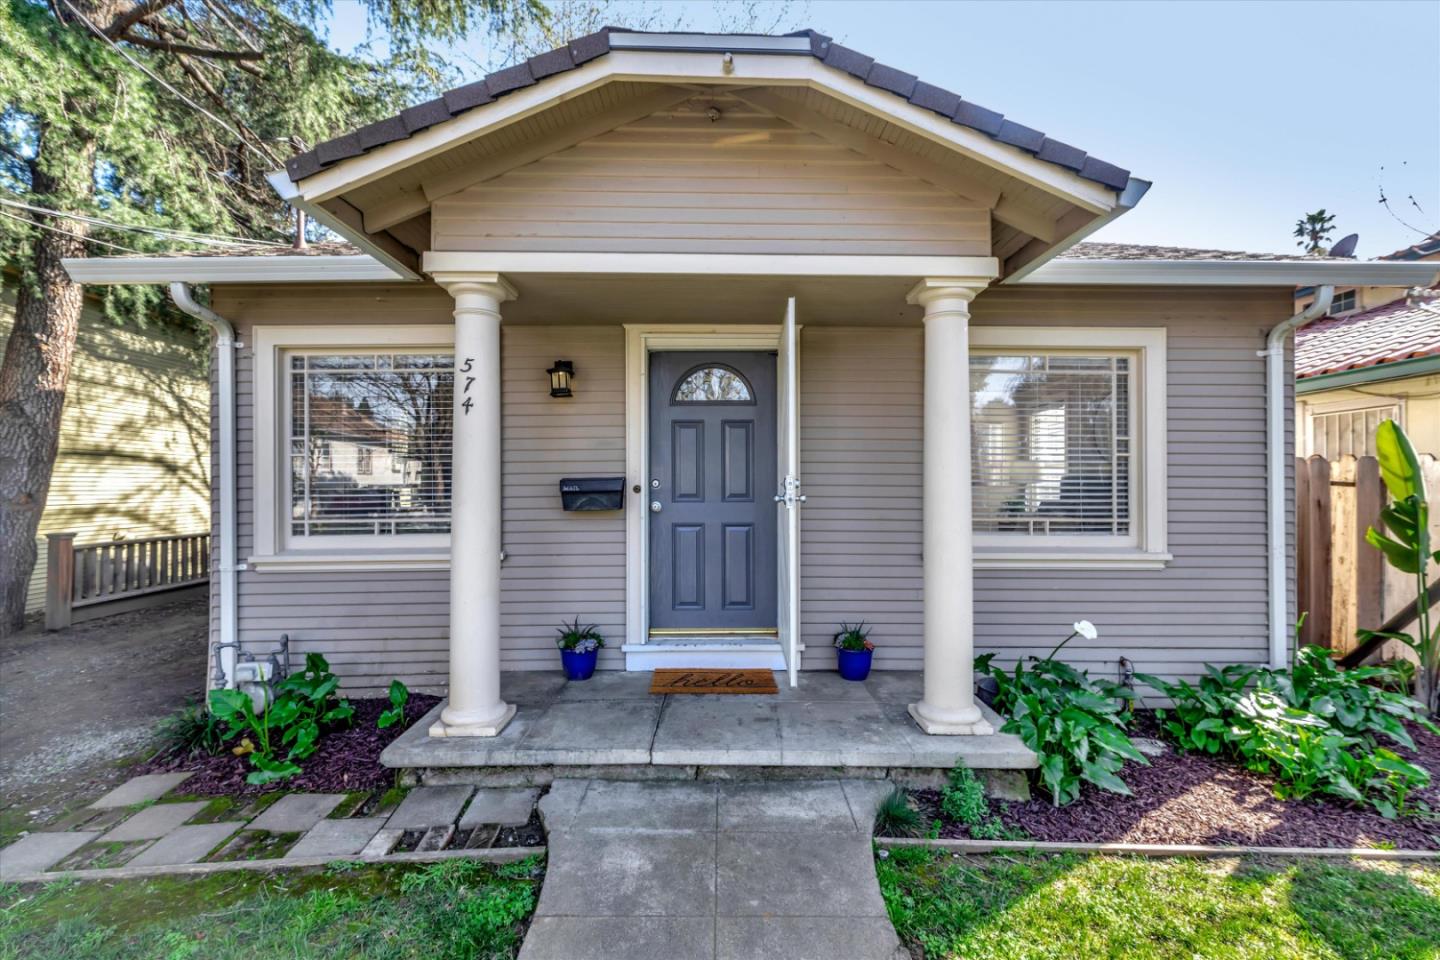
x=1402, y=330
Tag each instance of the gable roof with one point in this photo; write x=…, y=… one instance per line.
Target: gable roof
x=1092, y=250
x=1403, y=330
x=804, y=42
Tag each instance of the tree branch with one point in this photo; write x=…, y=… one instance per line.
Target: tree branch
x=185, y=49
x=124, y=21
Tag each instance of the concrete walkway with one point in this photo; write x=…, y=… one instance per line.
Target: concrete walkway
x=685, y=871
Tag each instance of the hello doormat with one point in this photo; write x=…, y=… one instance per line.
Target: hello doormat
x=713, y=681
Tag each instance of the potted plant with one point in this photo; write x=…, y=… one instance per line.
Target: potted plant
x=853, y=651
x=579, y=649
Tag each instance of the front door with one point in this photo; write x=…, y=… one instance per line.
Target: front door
x=712, y=469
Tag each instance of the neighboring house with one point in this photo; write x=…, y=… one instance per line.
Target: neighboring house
x=963, y=396
x=1355, y=370
x=134, y=458
x=1349, y=298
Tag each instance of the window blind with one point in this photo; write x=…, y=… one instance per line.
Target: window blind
x=1051, y=443
x=370, y=443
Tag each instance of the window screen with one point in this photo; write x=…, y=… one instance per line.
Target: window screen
x=369, y=443
x=1052, y=441
x=1333, y=435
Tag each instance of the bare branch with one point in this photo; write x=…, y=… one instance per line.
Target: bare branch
x=184, y=49
x=129, y=18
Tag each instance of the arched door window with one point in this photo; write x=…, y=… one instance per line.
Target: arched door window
x=712, y=383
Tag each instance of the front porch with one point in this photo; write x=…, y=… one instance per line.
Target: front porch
x=611, y=726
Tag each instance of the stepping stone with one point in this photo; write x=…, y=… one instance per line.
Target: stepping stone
x=187, y=844
x=41, y=851
x=426, y=807
x=154, y=822
x=152, y=786
x=382, y=843
x=337, y=838
x=296, y=812
x=506, y=807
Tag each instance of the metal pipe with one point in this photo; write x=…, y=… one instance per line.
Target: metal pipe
x=225, y=347
x=1276, y=472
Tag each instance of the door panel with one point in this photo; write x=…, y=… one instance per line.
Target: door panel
x=712, y=449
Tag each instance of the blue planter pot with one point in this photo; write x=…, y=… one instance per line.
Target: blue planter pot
x=579, y=666
x=854, y=664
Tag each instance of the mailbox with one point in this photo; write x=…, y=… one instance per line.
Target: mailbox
x=592, y=493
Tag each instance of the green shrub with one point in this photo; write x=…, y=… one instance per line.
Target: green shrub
x=1314, y=728
x=191, y=729
x=1075, y=724
x=399, y=696
x=963, y=798
x=895, y=817
x=289, y=721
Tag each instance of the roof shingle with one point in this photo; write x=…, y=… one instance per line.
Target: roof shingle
x=584, y=49
x=1402, y=330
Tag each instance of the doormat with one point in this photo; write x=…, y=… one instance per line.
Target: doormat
x=713, y=681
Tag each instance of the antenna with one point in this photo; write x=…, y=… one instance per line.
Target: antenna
x=1346, y=246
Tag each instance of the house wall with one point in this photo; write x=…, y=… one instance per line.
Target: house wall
x=675, y=182
x=861, y=434
x=1419, y=398
x=134, y=446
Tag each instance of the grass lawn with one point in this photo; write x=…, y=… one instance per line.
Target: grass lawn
x=452, y=909
x=1030, y=907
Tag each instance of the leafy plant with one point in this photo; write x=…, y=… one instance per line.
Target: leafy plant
x=895, y=817
x=853, y=637
x=1312, y=727
x=963, y=798
x=399, y=696
x=578, y=639
x=1075, y=724
x=1408, y=549
x=290, y=719
x=191, y=729
x=1313, y=230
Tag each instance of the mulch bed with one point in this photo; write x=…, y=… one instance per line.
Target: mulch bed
x=348, y=758
x=1191, y=798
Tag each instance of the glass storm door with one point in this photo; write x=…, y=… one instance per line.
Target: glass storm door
x=712, y=513
x=788, y=498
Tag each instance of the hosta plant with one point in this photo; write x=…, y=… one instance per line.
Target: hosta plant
x=399, y=696
x=287, y=727
x=1314, y=728
x=1075, y=724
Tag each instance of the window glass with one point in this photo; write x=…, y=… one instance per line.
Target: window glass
x=369, y=443
x=713, y=384
x=1343, y=303
x=1052, y=442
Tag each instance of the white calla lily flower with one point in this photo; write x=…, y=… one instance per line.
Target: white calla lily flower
x=1086, y=629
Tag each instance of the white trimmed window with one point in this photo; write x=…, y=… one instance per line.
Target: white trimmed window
x=351, y=411
x=354, y=434
x=1338, y=429
x=1068, y=445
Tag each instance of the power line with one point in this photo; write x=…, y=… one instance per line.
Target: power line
x=66, y=233
x=260, y=151
x=215, y=239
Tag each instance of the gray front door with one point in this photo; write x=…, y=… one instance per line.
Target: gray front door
x=711, y=491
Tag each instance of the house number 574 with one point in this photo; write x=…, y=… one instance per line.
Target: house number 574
x=467, y=403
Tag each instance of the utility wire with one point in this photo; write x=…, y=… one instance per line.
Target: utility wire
x=66, y=233
x=260, y=151
x=215, y=239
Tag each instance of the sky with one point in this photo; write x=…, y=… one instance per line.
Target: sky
x=1245, y=115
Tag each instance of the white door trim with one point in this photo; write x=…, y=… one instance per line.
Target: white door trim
x=641, y=340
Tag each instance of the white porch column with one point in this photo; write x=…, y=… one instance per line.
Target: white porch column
x=475, y=708
x=949, y=703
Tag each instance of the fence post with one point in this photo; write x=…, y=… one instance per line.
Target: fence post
x=1318, y=623
x=59, y=579
x=1369, y=562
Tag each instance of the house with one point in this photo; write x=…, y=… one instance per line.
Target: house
x=134, y=455
x=826, y=331
x=1348, y=299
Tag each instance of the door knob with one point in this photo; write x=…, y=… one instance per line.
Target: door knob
x=654, y=506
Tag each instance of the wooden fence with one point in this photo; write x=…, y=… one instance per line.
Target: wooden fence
x=94, y=579
x=1343, y=584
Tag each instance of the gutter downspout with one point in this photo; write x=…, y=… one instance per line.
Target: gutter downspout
x=225, y=347
x=1275, y=471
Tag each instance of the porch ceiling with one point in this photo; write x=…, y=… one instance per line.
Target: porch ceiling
x=583, y=299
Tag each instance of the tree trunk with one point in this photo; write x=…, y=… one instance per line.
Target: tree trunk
x=33, y=378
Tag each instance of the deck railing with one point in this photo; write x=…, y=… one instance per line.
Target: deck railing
x=89, y=575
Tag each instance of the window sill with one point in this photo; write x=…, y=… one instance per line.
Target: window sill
x=320, y=561
x=1063, y=559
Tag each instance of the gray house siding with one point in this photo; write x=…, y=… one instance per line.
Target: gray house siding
x=861, y=444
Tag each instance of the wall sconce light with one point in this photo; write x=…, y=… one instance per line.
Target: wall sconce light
x=560, y=375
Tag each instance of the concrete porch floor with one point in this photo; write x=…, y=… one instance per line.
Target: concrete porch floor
x=612, y=720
